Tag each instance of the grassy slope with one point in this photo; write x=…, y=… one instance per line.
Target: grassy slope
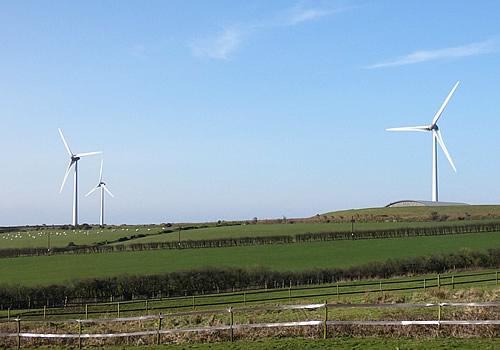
x=366, y=219
x=285, y=229
x=59, y=268
x=418, y=213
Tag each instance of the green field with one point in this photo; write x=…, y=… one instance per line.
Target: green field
x=44, y=270
x=365, y=219
x=289, y=229
x=39, y=238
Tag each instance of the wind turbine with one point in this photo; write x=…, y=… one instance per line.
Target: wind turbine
x=437, y=138
x=74, y=158
x=102, y=186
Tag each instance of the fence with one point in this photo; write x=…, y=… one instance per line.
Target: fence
x=119, y=308
x=232, y=326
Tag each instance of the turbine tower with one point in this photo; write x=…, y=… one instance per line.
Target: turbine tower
x=437, y=138
x=74, y=158
x=102, y=186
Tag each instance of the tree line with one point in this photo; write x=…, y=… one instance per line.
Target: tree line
x=212, y=280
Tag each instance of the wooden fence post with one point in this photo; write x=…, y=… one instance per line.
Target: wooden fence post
x=325, y=325
x=439, y=280
x=289, y=294
x=8, y=313
x=18, y=320
x=79, y=334
x=424, y=283
x=159, y=328
x=86, y=311
x=231, y=321
x=337, y=289
x=44, y=312
x=452, y=282
x=194, y=302
x=496, y=278
x=244, y=298
x=146, y=305
x=380, y=285
x=118, y=309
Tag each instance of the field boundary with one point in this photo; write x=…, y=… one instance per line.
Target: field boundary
x=248, y=296
x=231, y=327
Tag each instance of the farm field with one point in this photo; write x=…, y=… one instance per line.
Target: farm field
x=287, y=229
x=35, y=238
x=39, y=238
x=45, y=270
x=366, y=219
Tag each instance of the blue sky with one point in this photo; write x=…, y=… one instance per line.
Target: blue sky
x=211, y=110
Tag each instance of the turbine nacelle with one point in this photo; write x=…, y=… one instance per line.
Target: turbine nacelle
x=74, y=158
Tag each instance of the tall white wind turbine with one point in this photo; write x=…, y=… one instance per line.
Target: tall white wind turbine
x=74, y=158
x=101, y=185
x=437, y=138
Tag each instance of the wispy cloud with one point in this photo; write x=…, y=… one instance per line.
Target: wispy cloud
x=219, y=46
x=299, y=14
x=223, y=44
x=473, y=49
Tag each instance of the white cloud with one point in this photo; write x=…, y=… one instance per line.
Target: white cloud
x=473, y=49
x=224, y=44
x=299, y=15
x=220, y=46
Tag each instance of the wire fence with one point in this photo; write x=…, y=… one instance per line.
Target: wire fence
x=323, y=324
x=121, y=308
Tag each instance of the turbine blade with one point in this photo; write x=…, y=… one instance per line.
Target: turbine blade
x=440, y=140
x=87, y=154
x=410, y=128
x=100, y=172
x=106, y=189
x=443, y=106
x=71, y=162
x=65, y=143
x=91, y=191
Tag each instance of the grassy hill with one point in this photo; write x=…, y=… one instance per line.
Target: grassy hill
x=438, y=213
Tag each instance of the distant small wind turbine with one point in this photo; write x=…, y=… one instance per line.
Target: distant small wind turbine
x=103, y=188
x=436, y=138
x=74, y=158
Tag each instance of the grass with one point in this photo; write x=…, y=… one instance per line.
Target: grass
x=481, y=281
x=253, y=230
x=350, y=343
x=57, y=269
x=32, y=237
x=418, y=213
x=339, y=221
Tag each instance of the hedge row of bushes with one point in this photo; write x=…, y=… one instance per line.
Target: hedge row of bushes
x=225, y=279
x=257, y=240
